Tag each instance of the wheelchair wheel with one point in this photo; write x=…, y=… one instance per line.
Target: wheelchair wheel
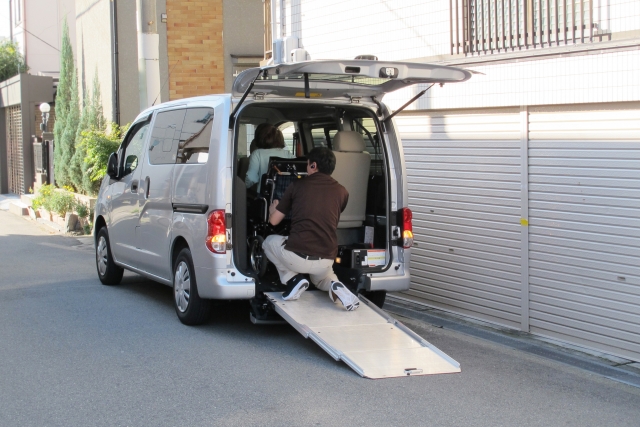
x=258, y=259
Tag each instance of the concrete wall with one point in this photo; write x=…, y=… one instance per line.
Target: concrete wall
x=129, y=105
x=243, y=33
x=29, y=92
x=94, y=53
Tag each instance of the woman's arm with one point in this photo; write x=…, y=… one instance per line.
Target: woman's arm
x=254, y=167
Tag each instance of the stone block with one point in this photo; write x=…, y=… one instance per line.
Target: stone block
x=70, y=222
x=18, y=208
x=27, y=199
x=33, y=213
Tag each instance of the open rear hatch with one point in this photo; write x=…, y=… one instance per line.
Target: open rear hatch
x=342, y=78
x=370, y=341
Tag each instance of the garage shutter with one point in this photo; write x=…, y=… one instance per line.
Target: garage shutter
x=584, y=227
x=463, y=172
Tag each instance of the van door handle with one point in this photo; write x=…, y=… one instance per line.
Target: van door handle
x=147, y=184
x=134, y=186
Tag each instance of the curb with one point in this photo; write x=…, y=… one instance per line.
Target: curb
x=524, y=342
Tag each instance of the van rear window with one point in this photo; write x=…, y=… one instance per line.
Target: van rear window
x=181, y=136
x=195, y=136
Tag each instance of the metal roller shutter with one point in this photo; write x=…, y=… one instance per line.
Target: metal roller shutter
x=463, y=173
x=584, y=227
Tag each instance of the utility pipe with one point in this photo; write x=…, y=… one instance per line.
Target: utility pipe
x=148, y=53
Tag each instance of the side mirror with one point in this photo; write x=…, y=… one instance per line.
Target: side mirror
x=112, y=166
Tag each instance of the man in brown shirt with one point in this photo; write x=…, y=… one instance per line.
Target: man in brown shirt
x=315, y=204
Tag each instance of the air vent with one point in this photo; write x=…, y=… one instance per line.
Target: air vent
x=352, y=70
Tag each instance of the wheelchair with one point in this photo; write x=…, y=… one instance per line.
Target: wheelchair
x=281, y=173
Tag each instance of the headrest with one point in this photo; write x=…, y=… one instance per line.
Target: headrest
x=348, y=141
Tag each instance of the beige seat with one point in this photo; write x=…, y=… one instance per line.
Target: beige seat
x=352, y=171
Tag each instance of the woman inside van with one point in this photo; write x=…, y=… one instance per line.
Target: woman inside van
x=271, y=145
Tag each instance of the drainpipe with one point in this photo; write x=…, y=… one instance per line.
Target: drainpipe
x=10, y=22
x=115, y=66
x=148, y=53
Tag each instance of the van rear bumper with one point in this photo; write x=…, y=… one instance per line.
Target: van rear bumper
x=390, y=283
x=213, y=284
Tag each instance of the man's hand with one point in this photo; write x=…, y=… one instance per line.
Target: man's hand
x=275, y=216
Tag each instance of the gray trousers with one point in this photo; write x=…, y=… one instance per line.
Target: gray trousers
x=290, y=264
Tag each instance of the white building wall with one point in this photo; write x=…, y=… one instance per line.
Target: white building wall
x=39, y=33
x=604, y=77
x=390, y=29
x=93, y=29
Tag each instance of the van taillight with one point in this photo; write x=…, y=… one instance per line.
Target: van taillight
x=216, y=232
x=407, y=227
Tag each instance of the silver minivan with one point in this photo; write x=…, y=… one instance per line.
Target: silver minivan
x=174, y=206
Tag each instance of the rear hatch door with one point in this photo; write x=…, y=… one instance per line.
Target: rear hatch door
x=342, y=78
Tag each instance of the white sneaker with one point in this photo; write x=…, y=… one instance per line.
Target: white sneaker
x=339, y=292
x=295, y=287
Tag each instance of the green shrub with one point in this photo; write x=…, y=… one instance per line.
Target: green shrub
x=42, y=200
x=82, y=210
x=99, y=144
x=62, y=202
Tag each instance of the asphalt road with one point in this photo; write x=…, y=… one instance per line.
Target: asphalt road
x=75, y=352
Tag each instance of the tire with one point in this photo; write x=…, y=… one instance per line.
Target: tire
x=108, y=272
x=190, y=308
x=376, y=297
x=257, y=257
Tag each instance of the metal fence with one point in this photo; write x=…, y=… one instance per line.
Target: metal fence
x=490, y=26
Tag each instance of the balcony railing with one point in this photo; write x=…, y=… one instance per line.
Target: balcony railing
x=492, y=26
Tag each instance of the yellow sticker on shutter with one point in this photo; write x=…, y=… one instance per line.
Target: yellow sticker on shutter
x=524, y=222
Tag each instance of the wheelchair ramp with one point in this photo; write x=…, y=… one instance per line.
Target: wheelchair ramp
x=370, y=341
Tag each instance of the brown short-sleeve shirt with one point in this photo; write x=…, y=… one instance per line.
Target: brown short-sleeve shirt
x=315, y=203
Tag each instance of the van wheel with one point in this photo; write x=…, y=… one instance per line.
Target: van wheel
x=376, y=297
x=257, y=257
x=190, y=308
x=108, y=272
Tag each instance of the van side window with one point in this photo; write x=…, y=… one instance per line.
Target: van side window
x=165, y=137
x=133, y=150
x=195, y=136
x=323, y=134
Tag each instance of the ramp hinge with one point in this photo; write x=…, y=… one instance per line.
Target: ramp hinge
x=258, y=96
x=356, y=99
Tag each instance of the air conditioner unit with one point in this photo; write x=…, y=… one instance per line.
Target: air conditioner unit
x=299, y=55
x=288, y=44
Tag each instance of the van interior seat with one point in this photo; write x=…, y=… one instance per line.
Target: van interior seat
x=352, y=171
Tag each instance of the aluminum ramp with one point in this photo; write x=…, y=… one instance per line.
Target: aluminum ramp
x=370, y=341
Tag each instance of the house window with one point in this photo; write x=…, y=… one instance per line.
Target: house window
x=492, y=26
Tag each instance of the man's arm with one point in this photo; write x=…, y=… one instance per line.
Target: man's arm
x=275, y=216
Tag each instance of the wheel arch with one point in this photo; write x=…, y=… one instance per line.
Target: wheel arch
x=179, y=243
x=99, y=223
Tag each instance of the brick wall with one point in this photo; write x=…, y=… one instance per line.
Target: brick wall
x=194, y=47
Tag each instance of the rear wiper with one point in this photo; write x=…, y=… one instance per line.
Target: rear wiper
x=409, y=102
x=232, y=119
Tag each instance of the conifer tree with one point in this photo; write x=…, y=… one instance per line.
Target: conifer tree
x=92, y=118
x=63, y=99
x=68, y=141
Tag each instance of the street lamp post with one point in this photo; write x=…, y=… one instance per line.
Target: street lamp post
x=44, y=109
x=47, y=143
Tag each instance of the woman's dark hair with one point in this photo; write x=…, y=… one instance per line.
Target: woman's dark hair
x=324, y=158
x=258, y=136
x=272, y=138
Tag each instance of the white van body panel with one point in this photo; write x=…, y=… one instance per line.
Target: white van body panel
x=174, y=200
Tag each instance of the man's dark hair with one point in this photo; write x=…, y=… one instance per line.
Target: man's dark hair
x=324, y=158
